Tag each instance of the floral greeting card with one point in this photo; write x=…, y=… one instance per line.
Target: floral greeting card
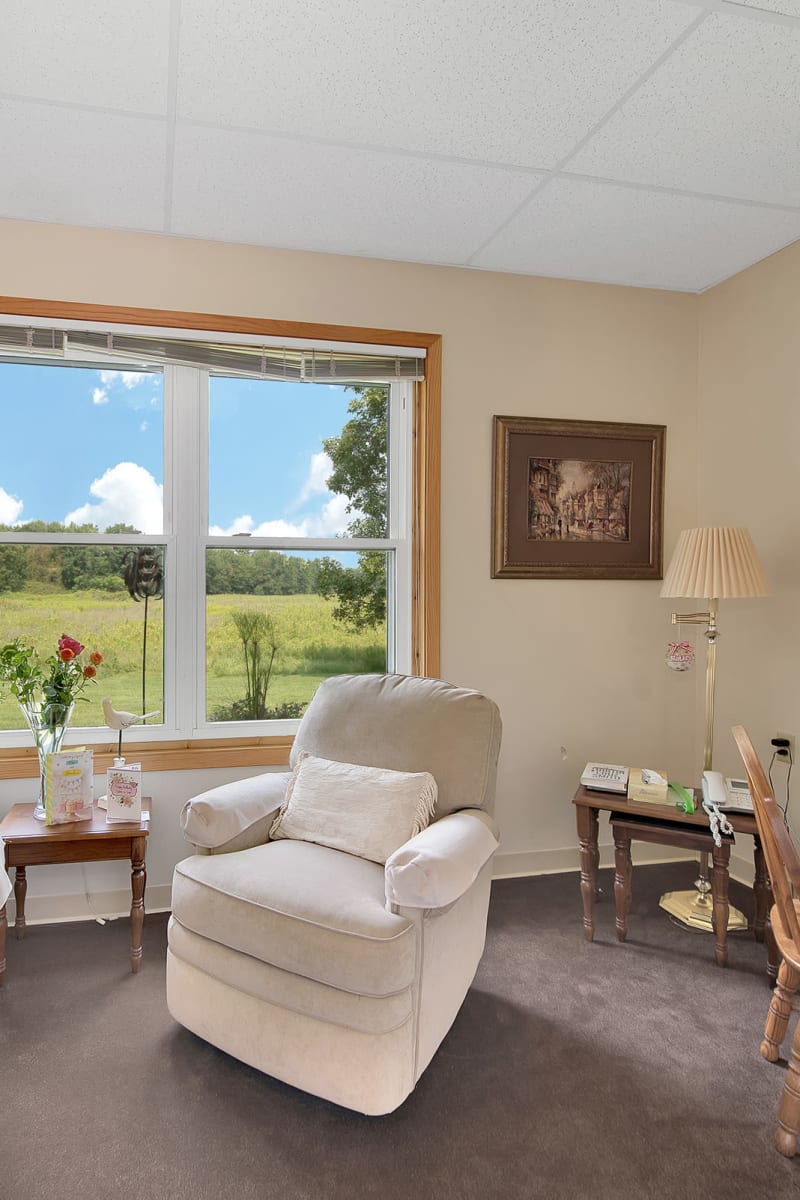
x=124, y=793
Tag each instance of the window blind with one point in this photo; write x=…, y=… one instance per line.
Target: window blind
x=294, y=364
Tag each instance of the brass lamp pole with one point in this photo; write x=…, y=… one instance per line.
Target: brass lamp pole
x=712, y=563
x=709, y=619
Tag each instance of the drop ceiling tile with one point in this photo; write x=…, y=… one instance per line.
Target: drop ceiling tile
x=787, y=8
x=721, y=115
x=515, y=83
x=244, y=187
x=81, y=168
x=86, y=52
x=580, y=229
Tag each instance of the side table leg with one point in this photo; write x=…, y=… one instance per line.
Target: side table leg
x=622, y=882
x=587, y=840
x=3, y=928
x=721, y=856
x=20, y=892
x=138, y=881
x=761, y=891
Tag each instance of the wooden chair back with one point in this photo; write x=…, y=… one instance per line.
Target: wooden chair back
x=783, y=861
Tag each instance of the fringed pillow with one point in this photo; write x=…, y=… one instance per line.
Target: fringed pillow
x=366, y=811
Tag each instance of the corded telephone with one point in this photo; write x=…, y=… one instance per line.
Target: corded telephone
x=605, y=777
x=729, y=795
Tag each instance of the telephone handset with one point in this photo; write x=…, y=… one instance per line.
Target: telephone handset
x=727, y=794
x=714, y=789
x=715, y=795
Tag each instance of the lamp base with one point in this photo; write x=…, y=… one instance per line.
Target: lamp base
x=695, y=911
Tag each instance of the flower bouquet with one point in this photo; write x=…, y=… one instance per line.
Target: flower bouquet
x=47, y=691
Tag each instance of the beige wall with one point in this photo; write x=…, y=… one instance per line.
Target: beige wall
x=576, y=666
x=749, y=433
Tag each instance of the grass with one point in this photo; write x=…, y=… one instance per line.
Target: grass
x=312, y=646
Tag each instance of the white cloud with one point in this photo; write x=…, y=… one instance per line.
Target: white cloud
x=331, y=520
x=145, y=425
x=125, y=493
x=319, y=472
x=128, y=379
x=10, y=508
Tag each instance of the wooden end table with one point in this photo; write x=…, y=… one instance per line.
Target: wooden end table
x=687, y=837
x=29, y=842
x=589, y=804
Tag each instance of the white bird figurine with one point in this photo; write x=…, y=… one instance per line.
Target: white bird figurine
x=123, y=720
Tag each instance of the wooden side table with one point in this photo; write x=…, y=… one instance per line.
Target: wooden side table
x=29, y=842
x=686, y=837
x=588, y=806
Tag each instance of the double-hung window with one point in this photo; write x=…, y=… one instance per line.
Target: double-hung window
x=227, y=517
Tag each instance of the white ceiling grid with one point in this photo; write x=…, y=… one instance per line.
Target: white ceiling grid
x=645, y=142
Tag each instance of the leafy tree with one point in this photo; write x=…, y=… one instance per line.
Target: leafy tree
x=100, y=567
x=258, y=573
x=13, y=568
x=359, y=457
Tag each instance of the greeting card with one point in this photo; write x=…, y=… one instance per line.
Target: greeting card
x=68, y=786
x=124, y=793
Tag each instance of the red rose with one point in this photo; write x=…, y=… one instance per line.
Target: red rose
x=89, y=672
x=68, y=643
x=96, y=658
x=65, y=654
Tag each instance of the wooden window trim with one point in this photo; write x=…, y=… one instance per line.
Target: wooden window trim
x=21, y=763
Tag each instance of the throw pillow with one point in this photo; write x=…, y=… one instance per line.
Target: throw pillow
x=366, y=811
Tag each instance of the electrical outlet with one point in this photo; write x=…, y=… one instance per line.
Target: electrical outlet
x=784, y=752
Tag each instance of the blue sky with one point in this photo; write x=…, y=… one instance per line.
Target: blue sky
x=86, y=445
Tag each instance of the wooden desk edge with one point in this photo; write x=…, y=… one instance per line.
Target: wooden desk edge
x=616, y=802
x=33, y=831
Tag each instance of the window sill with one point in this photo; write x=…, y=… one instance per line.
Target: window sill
x=22, y=763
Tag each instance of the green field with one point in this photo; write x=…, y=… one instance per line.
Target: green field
x=311, y=647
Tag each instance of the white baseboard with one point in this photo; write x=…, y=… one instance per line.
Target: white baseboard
x=111, y=905
x=552, y=862
x=75, y=906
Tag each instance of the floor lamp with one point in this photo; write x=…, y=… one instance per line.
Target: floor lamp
x=712, y=564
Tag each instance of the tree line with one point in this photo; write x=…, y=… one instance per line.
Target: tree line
x=79, y=568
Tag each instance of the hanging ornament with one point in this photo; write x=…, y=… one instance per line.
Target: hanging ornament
x=679, y=656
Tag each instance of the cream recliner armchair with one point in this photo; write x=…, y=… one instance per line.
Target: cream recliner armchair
x=337, y=974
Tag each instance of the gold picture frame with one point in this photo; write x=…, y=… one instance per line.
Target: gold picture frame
x=577, y=499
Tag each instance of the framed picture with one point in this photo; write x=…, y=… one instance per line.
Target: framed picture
x=577, y=499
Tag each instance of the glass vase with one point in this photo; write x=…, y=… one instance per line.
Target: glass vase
x=48, y=724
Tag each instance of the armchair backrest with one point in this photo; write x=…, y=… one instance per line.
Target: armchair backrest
x=408, y=724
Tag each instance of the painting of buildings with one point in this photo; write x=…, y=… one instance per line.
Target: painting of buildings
x=578, y=500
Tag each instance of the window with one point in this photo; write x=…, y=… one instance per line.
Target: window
x=227, y=521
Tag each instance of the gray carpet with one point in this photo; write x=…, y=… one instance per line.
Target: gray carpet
x=573, y=1070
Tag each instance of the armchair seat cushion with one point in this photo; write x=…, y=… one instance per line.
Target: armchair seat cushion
x=304, y=908
x=285, y=990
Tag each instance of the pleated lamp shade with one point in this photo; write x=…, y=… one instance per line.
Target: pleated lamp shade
x=715, y=564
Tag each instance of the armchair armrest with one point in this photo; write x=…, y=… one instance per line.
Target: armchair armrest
x=236, y=815
x=434, y=868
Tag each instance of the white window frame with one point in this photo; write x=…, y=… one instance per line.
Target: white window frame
x=185, y=539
